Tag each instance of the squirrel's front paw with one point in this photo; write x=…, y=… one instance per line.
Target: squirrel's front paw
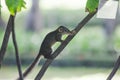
x=73, y=32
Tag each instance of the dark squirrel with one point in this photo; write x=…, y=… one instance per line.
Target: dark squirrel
x=50, y=39
x=46, y=46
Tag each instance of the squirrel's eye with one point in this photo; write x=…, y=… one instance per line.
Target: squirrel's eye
x=61, y=30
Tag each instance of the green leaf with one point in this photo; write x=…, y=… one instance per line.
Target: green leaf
x=15, y=5
x=92, y=5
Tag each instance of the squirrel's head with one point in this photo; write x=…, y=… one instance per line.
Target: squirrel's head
x=64, y=30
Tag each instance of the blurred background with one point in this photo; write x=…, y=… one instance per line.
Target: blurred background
x=89, y=56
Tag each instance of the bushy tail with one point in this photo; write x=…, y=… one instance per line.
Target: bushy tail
x=32, y=65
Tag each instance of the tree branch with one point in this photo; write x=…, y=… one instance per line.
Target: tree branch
x=63, y=45
x=5, y=40
x=116, y=66
x=16, y=49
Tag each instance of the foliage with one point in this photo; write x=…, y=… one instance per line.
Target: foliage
x=92, y=5
x=15, y=5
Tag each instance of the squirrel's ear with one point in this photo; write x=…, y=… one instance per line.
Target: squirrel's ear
x=60, y=29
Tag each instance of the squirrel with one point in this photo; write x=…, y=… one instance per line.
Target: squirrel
x=46, y=46
x=50, y=39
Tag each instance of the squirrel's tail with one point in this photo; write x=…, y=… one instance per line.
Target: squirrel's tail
x=32, y=65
